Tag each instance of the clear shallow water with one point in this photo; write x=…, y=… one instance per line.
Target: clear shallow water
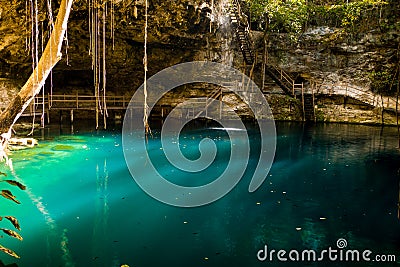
x=82, y=207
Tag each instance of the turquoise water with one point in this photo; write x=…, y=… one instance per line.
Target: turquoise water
x=82, y=207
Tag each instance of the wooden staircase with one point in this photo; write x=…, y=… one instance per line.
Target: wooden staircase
x=285, y=81
x=214, y=95
x=293, y=89
x=241, y=27
x=308, y=107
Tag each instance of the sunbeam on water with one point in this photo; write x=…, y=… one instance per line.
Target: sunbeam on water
x=82, y=207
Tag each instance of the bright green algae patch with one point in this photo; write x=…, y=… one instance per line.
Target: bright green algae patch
x=62, y=147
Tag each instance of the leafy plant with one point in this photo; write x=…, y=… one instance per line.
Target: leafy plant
x=287, y=16
x=7, y=194
x=381, y=82
x=294, y=16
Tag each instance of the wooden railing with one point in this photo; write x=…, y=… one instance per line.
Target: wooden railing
x=287, y=80
x=215, y=94
x=240, y=22
x=88, y=102
x=363, y=95
x=345, y=89
x=81, y=102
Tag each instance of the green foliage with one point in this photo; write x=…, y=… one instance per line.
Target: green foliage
x=381, y=82
x=285, y=16
x=351, y=13
x=294, y=16
x=319, y=115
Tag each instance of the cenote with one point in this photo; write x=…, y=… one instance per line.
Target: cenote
x=328, y=181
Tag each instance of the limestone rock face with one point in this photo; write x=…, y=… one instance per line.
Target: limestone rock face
x=178, y=32
x=182, y=31
x=332, y=57
x=8, y=89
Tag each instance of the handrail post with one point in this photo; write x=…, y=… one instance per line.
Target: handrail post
x=77, y=102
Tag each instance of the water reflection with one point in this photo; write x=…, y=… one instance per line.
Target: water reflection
x=99, y=236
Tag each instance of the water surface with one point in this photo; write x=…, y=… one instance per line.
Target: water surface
x=82, y=207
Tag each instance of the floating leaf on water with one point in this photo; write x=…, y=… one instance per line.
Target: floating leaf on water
x=9, y=252
x=12, y=233
x=7, y=194
x=12, y=182
x=14, y=221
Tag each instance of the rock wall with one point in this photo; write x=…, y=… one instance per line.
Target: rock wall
x=179, y=31
x=8, y=89
x=334, y=58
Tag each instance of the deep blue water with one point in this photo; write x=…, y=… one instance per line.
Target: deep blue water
x=83, y=208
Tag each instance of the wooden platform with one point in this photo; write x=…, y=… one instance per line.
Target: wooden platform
x=76, y=102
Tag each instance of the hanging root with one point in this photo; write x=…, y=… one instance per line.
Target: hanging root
x=146, y=107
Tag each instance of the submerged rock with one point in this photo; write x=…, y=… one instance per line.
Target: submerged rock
x=62, y=148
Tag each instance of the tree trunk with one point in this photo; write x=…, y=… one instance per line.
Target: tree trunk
x=51, y=55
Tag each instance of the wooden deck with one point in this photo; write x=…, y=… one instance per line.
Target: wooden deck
x=76, y=102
